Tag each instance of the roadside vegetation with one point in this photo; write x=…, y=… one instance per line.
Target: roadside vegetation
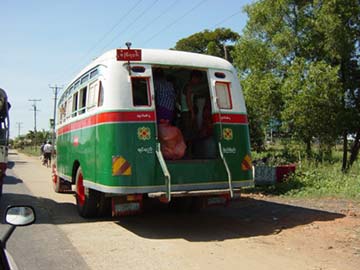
x=298, y=64
x=315, y=177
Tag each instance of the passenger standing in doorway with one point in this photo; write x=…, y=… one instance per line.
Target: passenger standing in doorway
x=165, y=96
x=188, y=115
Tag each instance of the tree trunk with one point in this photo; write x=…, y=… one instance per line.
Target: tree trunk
x=345, y=151
x=308, y=148
x=355, y=149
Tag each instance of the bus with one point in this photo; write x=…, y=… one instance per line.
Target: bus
x=4, y=135
x=112, y=143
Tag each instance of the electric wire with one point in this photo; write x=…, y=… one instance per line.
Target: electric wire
x=127, y=27
x=155, y=19
x=227, y=18
x=175, y=21
x=96, y=44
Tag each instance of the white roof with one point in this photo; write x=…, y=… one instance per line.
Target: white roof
x=165, y=57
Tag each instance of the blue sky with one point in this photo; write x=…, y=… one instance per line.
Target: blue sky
x=47, y=42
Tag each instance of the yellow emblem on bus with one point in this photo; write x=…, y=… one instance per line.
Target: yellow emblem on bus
x=120, y=166
x=228, y=134
x=144, y=133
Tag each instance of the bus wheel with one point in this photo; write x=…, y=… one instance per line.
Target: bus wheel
x=86, y=198
x=59, y=184
x=104, y=205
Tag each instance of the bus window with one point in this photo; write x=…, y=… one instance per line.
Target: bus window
x=101, y=95
x=84, y=79
x=82, y=100
x=93, y=87
x=68, y=108
x=75, y=104
x=140, y=91
x=223, y=95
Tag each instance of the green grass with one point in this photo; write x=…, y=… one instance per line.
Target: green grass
x=317, y=180
x=30, y=150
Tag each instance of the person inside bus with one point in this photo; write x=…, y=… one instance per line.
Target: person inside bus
x=165, y=96
x=188, y=109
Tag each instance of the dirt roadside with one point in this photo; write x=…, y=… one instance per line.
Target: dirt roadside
x=255, y=232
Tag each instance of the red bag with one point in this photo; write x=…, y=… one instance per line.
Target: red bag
x=171, y=140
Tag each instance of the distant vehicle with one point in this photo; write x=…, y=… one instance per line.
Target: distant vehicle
x=4, y=135
x=109, y=142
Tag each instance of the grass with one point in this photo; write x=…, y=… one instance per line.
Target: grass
x=316, y=180
x=30, y=150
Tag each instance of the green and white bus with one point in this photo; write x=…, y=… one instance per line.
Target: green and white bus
x=108, y=143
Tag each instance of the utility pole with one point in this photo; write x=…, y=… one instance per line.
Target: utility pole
x=19, y=127
x=56, y=91
x=35, y=110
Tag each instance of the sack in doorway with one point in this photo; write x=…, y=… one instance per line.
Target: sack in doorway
x=171, y=141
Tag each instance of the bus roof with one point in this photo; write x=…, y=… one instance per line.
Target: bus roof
x=164, y=57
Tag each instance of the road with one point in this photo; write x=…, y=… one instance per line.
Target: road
x=253, y=233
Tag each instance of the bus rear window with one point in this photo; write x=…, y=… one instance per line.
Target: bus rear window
x=223, y=95
x=140, y=91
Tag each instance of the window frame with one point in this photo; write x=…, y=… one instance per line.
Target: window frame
x=75, y=105
x=147, y=79
x=229, y=95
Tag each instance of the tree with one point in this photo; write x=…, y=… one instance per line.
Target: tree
x=218, y=42
x=308, y=52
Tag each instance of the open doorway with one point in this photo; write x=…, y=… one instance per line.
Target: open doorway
x=183, y=104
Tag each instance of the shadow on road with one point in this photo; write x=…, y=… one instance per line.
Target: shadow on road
x=244, y=218
x=12, y=164
x=11, y=180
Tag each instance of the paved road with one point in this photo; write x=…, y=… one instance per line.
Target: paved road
x=250, y=234
x=42, y=245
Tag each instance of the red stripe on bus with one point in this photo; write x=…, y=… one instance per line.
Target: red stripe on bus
x=108, y=117
x=230, y=118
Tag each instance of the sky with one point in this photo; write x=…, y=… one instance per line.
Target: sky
x=45, y=43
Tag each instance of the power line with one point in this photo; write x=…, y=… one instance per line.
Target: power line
x=96, y=44
x=175, y=21
x=227, y=18
x=127, y=27
x=155, y=19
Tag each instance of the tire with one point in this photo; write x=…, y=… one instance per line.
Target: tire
x=104, y=205
x=55, y=179
x=59, y=184
x=87, y=199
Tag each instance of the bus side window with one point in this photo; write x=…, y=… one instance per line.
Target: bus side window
x=223, y=95
x=140, y=91
x=82, y=100
x=69, y=107
x=91, y=101
x=101, y=95
x=75, y=104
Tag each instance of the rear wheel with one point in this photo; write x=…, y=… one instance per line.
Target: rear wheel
x=86, y=199
x=104, y=205
x=59, y=184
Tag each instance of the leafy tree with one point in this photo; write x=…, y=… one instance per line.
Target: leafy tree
x=210, y=42
x=300, y=61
